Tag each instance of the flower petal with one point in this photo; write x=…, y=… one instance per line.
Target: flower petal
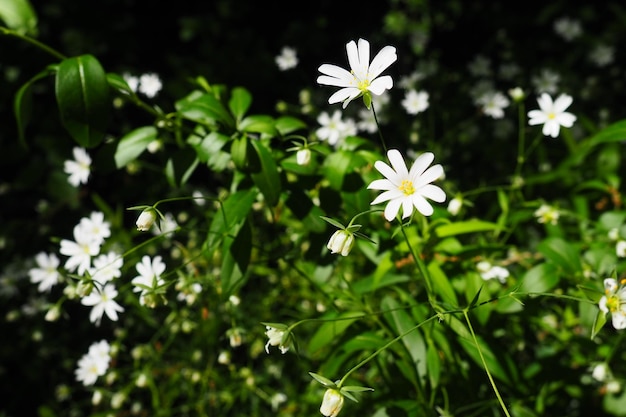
x=433, y=192
x=562, y=102
x=420, y=165
x=381, y=185
x=348, y=93
x=382, y=61
x=391, y=211
x=431, y=174
x=387, y=195
x=379, y=85
x=387, y=172
x=398, y=164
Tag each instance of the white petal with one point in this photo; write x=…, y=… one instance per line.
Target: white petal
x=537, y=117
x=379, y=85
x=562, y=102
x=407, y=207
x=387, y=172
x=431, y=174
x=422, y=205
x=433, y=192
x=619, y=320
x=382, y=61
x=387, y=195
x=391, y=211
x=397, y=162
x=381, y=185
x=545, y=102
x=420, y=164
x=566, y=119
x=344, y=94
x=551, y=128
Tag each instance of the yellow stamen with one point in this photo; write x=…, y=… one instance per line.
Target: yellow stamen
x=613, y=303
x=551, y=115
x=407, y=187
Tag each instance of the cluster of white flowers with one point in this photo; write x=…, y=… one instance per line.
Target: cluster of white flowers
x=287, y=59
x=148, y=84
x=79, y=168
x=488, y=271
x=94, y=363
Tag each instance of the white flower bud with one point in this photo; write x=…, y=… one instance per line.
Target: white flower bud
x=146, y=220
x=341, y=242
x=332, y=403
x=303, y=156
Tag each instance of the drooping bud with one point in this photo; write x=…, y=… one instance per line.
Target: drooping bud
x=146, y=219
x=341, y=242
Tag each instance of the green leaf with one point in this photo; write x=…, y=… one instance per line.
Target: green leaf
x=268, y=179
x=287, y=124
x=82, y=93
x=133, y=144
x=180, y=166
x=118, y=83
x=333, y=222
x=561, y=253
x=209, y=150
x=204, y=108
x=469, y=226
x=433, y=363
x=236, y=253
x=230, y=216
x=22, y=103
x=239, y=103
x=19, y=16
x=323, y=380
x=540, y=278
x=336, y=167
x=442, y=284
x=332, y=329
x=258, y=124
x=598, y=324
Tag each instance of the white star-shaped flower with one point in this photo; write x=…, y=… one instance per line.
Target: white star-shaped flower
x=102, y=302
x=614, y=302
x=552, y=114
x=363, y=77
x=46, y=274
x=408, y=188
x=79, y=168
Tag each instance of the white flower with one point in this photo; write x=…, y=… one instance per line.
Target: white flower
x=146, y=219
x=80, y=250
x=46, y=274
x=287, y=59
x=102, y=302
x=567, y=28
x=415, y=101
x=333, y=129
x=408, y=188
x=620, y=248
x=332, y=403
x=493, y=104
x=341, y=242
x=362, y=79
x=79, y=168
x=614, y=302
x=600, y=372
x=488, y=271
x=517, y=94
x=95, y=226
x=454, y=206
x=303, y=156
x=546, y=82
x=167, y=225
x=131, y=80
x=106, y=267
x=94, y=363
x=552, y=114
x=149, y=84
x=150, y=271
x=547, y=214
x=277, y=399
x=602, y=55
x=275, y=338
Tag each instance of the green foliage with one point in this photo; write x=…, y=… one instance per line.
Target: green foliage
x=517, y=293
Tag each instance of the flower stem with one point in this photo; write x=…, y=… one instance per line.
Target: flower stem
x=43, y=47
x=482, y=358
x=380, y=133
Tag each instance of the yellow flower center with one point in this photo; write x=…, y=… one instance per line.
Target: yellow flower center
x=361, y=84
x=551, y=115
x=613, y=303
x=407, y=187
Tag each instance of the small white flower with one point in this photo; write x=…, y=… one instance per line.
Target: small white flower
x=547, y=214
x=614, y=302
x=96, y=227
x=277, y=399
x=552, y=114
x=415, y=102
x=303, y=156
x=131, y=80
x=80, y=250
x=146, y=219
x=488, y=271
x=600, y=372
x=46, y=274
x=341, y=242
x=149, y=84
x=102, y=302
x=517, y=94
x=150, y=271
x=79, y=168
x=567, y=28
x=106, y=267
x=546, y=82
x=331, y=403
x=275, y=338
x=620, y=248
x=94, y=363
x=493, y=104
x=363, y=77
x=287, y=59
x=408, y=189
x=454, y=206
x=333, y=128
x=602, y=55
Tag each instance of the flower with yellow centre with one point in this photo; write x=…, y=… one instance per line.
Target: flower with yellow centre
x=408, y=188
x=614, y=302
x=552, y=114
x=363, y=78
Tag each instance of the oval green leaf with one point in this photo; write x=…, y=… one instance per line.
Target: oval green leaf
x=133, y=144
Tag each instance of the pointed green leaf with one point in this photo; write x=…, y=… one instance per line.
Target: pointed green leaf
x=258, y=124
x=333, y=222
x=470, y=226
x=119, y=83
x=332, y=329
x=540, y=278
x=133, y=144
x=323, y=380
x=239, y=103
x=236, y=253
x=229, y=217
x=287, y=124
x=82, y=94
x=268, y=179
x=204, y=108
x=561, y=253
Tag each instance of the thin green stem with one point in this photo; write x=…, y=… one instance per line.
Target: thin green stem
x=382, y=348
x=32, y=41
x=420, y=265
x=482, y=358
x=521, y=141
x=380, y=133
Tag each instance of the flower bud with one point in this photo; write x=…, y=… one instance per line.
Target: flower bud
x=341, y=242
x=303, y=156
x=332, y=403
x=146, y=219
